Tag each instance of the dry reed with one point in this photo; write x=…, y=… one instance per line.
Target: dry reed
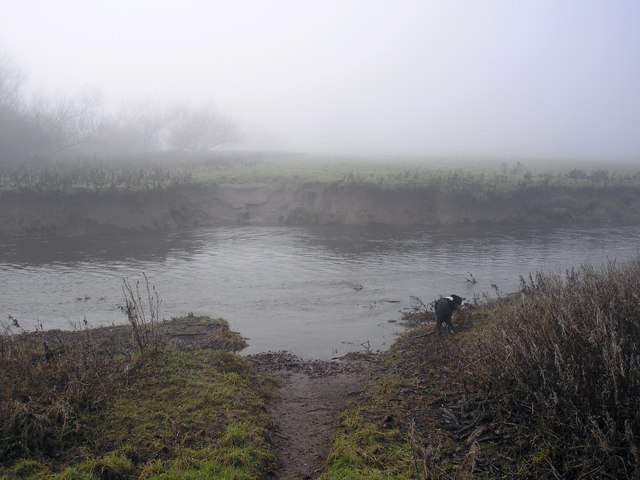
x=565, y=364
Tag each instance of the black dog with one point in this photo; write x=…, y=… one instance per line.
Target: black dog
x=445, y=307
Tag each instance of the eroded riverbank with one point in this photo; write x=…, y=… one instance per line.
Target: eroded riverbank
x=214, y=205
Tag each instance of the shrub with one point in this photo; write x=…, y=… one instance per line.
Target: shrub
x=142, y=314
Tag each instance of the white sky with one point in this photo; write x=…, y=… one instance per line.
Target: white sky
x=528, y=78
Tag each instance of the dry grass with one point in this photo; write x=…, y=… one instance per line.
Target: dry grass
x=46, y=389
x=223, y=338
x=85, y=404
x=142, y=313
x=565, y=364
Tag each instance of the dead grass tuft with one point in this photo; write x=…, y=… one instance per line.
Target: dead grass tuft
x=45, y=389
x=223, y=338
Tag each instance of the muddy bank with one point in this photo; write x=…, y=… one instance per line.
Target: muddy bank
x=306, y=403
x=187, y=206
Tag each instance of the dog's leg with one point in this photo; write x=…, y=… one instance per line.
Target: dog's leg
x=450, y=326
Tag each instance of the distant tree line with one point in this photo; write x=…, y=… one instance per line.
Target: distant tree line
x=35, y=127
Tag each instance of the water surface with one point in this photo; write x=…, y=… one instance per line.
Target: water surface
x=318, y=292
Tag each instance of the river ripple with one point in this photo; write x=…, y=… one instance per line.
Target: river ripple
x=318, y=292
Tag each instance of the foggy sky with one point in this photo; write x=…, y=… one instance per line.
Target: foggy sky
x=472, y=78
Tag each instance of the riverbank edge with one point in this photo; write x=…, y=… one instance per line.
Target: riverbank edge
x=222, y=205
x=187, y=405
x=402, y=425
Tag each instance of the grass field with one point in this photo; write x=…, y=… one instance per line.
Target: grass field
x=164, y=170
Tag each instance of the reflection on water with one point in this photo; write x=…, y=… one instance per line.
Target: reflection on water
x=286, y=288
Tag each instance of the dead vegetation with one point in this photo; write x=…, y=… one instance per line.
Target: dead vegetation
x=142, y=313
x=46, y=385
x=223, y=338
x=566, y=368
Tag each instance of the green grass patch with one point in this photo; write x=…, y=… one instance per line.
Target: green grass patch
x=369, y=444
x=178, y=416
x=190, y=401
x=366, y=449
x=158, y=172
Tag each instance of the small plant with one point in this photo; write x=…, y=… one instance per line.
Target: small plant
x=142, y=313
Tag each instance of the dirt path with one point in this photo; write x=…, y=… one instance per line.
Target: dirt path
x=306, y=405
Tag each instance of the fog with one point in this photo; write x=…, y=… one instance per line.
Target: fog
x=462, y=78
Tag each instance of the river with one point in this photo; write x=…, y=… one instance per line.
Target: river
x=317, y=292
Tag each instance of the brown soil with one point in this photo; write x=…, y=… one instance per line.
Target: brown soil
x=306, y=405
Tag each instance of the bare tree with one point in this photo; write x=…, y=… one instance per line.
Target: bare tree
x=14, y=122
x=42, y=127
x=135, y=128
x=11, y=82
x=199, y=129
x=65, y=122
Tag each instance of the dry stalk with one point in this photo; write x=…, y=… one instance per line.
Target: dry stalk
x=142, y=313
